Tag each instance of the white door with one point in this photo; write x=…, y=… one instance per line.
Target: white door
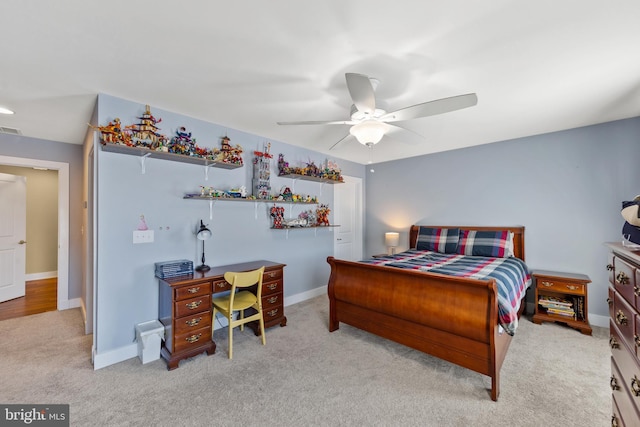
x=13, y=212
x=347, y=205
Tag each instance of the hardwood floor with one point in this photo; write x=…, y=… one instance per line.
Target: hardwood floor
x=41, y=295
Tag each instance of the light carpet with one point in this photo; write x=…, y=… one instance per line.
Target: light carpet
x=305, y=375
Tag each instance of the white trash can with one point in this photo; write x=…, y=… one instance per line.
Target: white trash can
x=149, y=336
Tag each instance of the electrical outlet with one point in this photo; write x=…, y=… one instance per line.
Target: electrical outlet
x=142, y=236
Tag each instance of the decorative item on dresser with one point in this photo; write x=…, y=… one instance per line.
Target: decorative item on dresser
x=562, y=297
x=185, y=307
x=624, y=339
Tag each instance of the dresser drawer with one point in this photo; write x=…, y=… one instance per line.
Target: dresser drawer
x=270, y=276
x=194, y=290
x=190, y=323
x=624, y=320
x=191, y=306
x=627, y=378
x=192, y=339
x=272, y=287
x=610, y=299
x=623, y=279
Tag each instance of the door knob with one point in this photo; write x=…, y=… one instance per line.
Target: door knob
x=22, y=242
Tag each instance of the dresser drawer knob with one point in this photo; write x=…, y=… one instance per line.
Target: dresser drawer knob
x=609, y=267
x=609, y=301
x=622, y=278
x=194, y=322
x=272, y=286
x=635, y=386
x=636, y=291
x=547, y=284
x=193, y=290
x=193, y=338
x=272, y=300
x=621, y=319
x=613, y=342
x=194, y=305
x=614, y=383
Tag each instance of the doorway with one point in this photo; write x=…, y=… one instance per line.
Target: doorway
x=348, y=212
x=62, y=297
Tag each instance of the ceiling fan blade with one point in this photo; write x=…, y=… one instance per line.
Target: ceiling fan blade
x=405, y=135
x=361, y=92
x=330, y=122
x=344, y=138
x=432, y=108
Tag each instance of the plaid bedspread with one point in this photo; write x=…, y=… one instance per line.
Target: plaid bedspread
x=511, y=275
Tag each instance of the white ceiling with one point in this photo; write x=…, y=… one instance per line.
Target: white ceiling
x=536, y=66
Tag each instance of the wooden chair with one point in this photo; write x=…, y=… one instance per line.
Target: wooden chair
x=239, y=300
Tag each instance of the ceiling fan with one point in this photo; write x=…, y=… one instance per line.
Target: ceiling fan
x=370, y=122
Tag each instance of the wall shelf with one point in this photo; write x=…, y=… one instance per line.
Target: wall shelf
x=146, y=152
x=311, y=178
x=240, y=199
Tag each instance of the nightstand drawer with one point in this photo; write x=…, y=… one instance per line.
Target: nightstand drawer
x=561, y=286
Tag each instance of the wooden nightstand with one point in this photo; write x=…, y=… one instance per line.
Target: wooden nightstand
x=562, y=297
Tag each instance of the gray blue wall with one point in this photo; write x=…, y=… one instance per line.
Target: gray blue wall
x=566, y=188
x=127, y=292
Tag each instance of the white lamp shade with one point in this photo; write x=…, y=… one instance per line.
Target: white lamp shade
x=392, y=239
x=369, y=131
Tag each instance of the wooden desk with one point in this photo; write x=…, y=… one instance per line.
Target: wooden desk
x=185, y=307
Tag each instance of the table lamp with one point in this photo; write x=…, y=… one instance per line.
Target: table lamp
x=391, y=239
x=203, y=234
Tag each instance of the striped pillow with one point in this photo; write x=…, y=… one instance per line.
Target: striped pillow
x=443, y=240
x=498, y=244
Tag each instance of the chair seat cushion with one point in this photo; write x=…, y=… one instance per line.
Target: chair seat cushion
x=242, y=300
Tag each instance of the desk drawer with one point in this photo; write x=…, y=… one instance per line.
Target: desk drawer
x=221, y=286
x=194, y=290
x=272, y=300
x=194, y=305
x=190, y=323
x=272, y=287
x=270, y=276
x=192, y=339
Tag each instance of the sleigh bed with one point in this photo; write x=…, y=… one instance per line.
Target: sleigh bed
x=466, y=320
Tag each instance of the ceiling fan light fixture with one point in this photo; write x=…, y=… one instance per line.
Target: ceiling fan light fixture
x=369, y=132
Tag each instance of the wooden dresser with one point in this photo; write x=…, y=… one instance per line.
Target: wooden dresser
x=185, y=307
x=624, y=339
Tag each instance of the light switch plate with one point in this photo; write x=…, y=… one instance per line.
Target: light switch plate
x=142, y=236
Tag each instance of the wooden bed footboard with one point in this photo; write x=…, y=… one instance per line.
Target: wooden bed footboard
x=452, y=318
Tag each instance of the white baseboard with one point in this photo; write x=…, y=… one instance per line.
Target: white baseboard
x=597, y=320
x=102, y=360
x=303, y=296
x=40, y=276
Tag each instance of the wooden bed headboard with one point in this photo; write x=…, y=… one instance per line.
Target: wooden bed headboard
x=518, y=235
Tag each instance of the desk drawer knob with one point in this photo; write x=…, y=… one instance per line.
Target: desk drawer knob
x=621, y=319
x=193, y=290
x=273, y=274
x=194, y=305
x=622, y=278
x=613, y=342
x=273, y=312
x=272, y=286
x=193, y=338
x=272, y=300
x=613, y=383
x=221, y=284
x=194, y=322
